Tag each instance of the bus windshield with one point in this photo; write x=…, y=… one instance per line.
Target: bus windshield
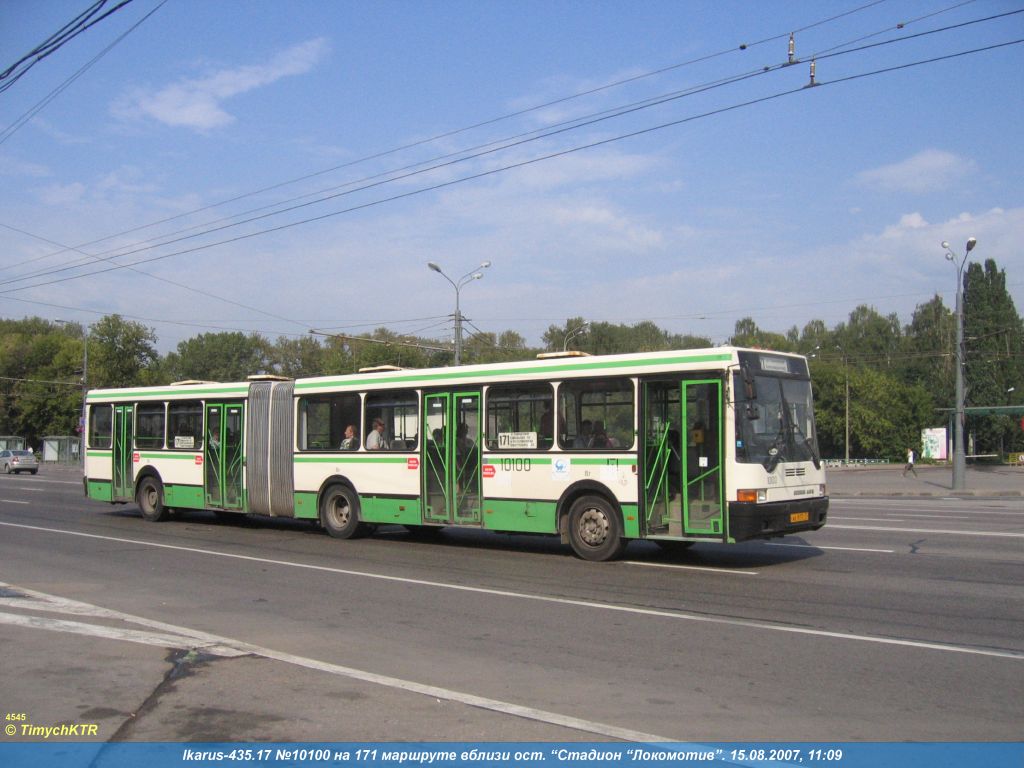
x=774, y=421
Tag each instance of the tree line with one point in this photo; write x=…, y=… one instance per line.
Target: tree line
x=877, y=382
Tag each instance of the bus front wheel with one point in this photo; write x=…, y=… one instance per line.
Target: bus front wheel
x=339, y=513
x=595, y=530
x=150, y=498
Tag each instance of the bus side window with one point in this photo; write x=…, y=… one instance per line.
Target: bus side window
x=101, y=426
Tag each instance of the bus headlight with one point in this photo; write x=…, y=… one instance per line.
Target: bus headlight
x=753, y=496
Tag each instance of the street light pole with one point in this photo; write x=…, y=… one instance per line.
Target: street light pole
x=959, y=454
x=574, y=333
x=458, y=285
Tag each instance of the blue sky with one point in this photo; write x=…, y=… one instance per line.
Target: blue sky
x=784, y=208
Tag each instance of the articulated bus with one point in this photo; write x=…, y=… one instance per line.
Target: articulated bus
x=707, y=445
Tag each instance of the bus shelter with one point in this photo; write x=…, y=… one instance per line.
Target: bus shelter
x=63, y=449
x=12, y=443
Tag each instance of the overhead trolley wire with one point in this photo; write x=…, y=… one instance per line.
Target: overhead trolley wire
x=488, y=149
x=51, y=45
x=538, y=159
x=490, y=121
x=11, y=129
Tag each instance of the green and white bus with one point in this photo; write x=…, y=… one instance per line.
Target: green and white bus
x=707, y=445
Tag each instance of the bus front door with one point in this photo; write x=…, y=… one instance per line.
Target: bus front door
x=702, y=450
x=451, y=481
x=682, y=451
x=123, y=474
x=224, y=456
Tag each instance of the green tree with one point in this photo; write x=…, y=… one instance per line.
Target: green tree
x=747, y=334
x=229, y=356
x=122, y=353
x=886, y=416
x=994, y=354
x=296, y=358
x=928, y=357
x=870, y=337
x=40, y=379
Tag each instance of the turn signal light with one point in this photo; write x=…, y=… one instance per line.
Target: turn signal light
x=757, y=496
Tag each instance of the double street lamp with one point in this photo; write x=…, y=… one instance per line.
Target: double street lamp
x=959, y=454
x=458, y=285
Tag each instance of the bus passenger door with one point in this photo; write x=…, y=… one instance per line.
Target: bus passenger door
x=123, y=475
x=224, y=456
x=436, y=488
x=662, y=477
x=702, y=449
x=451, y=458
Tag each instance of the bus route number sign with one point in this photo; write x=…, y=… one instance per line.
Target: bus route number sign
x=517, y=441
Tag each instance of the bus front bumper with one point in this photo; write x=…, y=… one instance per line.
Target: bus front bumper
x=765, y=521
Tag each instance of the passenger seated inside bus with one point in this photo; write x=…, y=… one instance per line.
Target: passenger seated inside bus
x=599, y=439
x=375, y=441
x=586, y=433
x=350, y=442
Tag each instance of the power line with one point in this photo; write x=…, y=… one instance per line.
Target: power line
x=523, y=163
x=490, y=121
x=10, y=130
x=533, y=136
x=55, y=42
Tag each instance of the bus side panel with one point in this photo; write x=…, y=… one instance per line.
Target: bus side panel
x=521, y=515
x=384, y=509
x=521, y=491
x=99, y=475
x=184, y=496
x=388, y=484
x=181, y=474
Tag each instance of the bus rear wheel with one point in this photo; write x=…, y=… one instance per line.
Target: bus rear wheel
x=339, y=513
x=150, y=498
x=595, y=530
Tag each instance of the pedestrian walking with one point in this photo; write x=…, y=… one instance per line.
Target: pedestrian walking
x=910, y=463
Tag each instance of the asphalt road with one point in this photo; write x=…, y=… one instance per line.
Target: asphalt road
x=902, y=620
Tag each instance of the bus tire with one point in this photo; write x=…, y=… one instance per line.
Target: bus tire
x=595, y=530
x=150, y=498
x=339, y=513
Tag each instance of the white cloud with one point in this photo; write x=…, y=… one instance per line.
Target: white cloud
x=197, y=103
x=931, y=170
x=62, y=194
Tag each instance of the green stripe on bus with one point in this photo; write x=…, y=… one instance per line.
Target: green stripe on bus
x=187, y=456
x=177, y=393
x=532, y=369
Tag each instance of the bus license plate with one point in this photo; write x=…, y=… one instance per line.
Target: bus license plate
x=799, y=517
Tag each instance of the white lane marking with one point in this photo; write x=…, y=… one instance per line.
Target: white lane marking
x=117, y=633
x=927, y=530
x=843, y=549
x=172, y=637
x=690, y=568
x=869, y=519
x=52, y=482
x=589, y=604
x=22, y=489
x=13, y=501
x=915, y=504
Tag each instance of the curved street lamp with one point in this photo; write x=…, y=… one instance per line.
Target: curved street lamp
x=959, y=455
x=574, y=333
x=458, y=285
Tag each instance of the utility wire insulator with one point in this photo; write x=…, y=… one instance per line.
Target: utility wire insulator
x=792, y=49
